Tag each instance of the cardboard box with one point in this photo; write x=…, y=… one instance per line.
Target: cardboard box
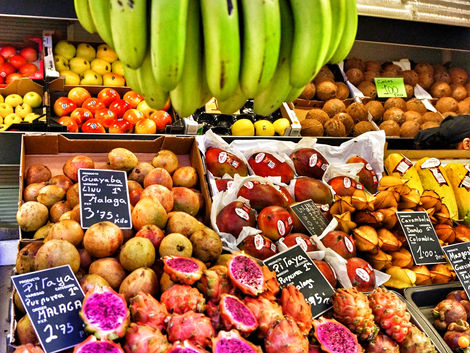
x=54, y=150
x=445, y=156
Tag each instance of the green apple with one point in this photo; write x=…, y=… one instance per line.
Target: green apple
x=86, y=51
x=90, y=77
x=13, y=100
x=79, y=65
x=23, y=109
x=1, y=99
x=32, y=98
x=30, y=117
x=65, y=49
x=110, y=79
x=71, y=78
x=107, y=53
x=61, y=63
x=117, y=68
x=5, y=109
x=12, y=119
x=100, y=66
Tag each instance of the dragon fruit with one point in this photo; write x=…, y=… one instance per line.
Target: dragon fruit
x=185, y=347
x=195, y=327
x=382, y=344
x=145, y=339
x=285, y=337
x=266, y=312
x=145, y=309
x=271, y=285
x=185, y=270
x=232, y=342
x=390, y=313
x=294, y=305
x=215, y=282
x=213, y=313
x=416, y=342
x=335, y=337
x=235, y=314
x=351, y=308
x=314, y=349
x=105, y=313
x=246, y=274
x=28, y=348
x=181, y=298
x=92, y=345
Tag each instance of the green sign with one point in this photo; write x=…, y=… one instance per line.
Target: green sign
x=390, y=87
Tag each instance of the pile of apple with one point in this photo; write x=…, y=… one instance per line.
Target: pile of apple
x=15, y=109
x=108, y=112
x=85, y=65
x=17, y=64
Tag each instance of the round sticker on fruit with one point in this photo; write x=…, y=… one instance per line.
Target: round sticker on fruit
x=347, y=182
x=281, y=228
x=302, y=243
x=259, y=157
x=259, y=241
x=222, y=157
x=349, y=244
x=363, y=274
x=312, y=160
x=242, y=213
x=368, y=166
x=248, y=185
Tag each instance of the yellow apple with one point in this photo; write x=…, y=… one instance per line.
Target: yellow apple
x=13, y=100
x=12, y=119
x=111, y=79
x=23, y=109
x=32, y=98
x=5, y=109
x=145, y=108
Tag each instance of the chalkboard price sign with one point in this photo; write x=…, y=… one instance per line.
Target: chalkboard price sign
x=104, y=197
x=421, y=237
x=293, y=266
x=310, y=216
x=459, y=258
x=52, y=299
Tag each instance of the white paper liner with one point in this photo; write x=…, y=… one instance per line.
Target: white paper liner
x=347, y=169
x=403, y=64
x=424, y=95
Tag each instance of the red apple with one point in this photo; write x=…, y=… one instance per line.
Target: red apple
x=69, y=122
x=92, y=126
x=108, y=95
x=78, y=95
x=133, y=116
x=30, y=54
x=133, y=98
x=340, y=242
x=145, y=126
x=28, y=69
x=6, y=69
x=275, y=222
x=161, y=118
x=119, y=106
x=93, y=104
x=64, y=106
x=7, y=51
x=361, y=274
x=327, y=272
x=17, y=61
x=12, y=77
x=72, y=165
x=80, y=115
x=301, y=239
x=105, y=116
x=120, y=126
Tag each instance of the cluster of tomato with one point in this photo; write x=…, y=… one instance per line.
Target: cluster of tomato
x=108, y=112
x=15, y=65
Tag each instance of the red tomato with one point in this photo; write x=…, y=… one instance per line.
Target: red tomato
x=133, y=98
x=108, y=95
x=161, y=118
x=6, y=52
x=120, y=126
x=17, y=61
x=93, y=104
x=78, y=95
x=69, y=122
x=30, y=54
x=133, y=116
x=28, y=69
x=80, y=115
x=2, y=80
x=64, y=106
x=119, y=106
x=105, y=116
x=6, y=69
x=145, y=126
x=92, y=126
x=12, y=77
x=2, y=60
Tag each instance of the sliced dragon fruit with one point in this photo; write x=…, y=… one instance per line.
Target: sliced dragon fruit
x=334, y=337
x=185, y=347
x=105, y=313
x=246, y=274
x=235, y=314
x=185, y=270
x=232, y=342
x=92, y=345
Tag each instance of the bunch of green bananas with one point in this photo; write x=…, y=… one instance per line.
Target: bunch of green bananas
x=191, y=50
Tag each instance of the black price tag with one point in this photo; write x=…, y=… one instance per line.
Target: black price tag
x=104, y=197
x=421, y=237
x=310, y=216
x=459, y=257
x=52, y=299
x=293, y=266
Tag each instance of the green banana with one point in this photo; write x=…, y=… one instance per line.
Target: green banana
x=167, y=40
x=84, y=15
x=338, y=11
x=349, y=33
x=294, y=93
x=101, y=18
x=186, y=97
x=132, y=80
x=313, y=24
x=221, y=46
x=279, y=88
x=261, y=43
x=154, y=95
x=233, y=103
x=129, y=30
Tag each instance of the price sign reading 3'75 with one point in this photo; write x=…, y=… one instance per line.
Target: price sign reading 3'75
x=104, y=197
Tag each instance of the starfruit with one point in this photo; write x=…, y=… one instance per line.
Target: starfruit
x=341, y=205
x=380, y=260
x=400, y=277
x=402, y=258
x=362, y=200
x=390, y=217
x=366, y=239
x=344, y=222
x=386, y=199
x=423, y=275
x=440, y=273
x=389, y=241
x=462, y=233
x=409, y=200
x=373, y=219
x=445, y=232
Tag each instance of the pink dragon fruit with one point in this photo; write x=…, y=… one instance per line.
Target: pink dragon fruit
x=213, y=312
x=181, y=298
x=215, y=282
x=145, y=309
x=105, y=313
x=246, y=274
x=383, y=344
x=335, y=337
x=145, y=339
x=286, y=337
x=185, y=270
x=191, y=326
x=266, y=312
x=293, y=304
x=235, y=314
x=92, y=345
x=232, y=342
x=185, y=347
